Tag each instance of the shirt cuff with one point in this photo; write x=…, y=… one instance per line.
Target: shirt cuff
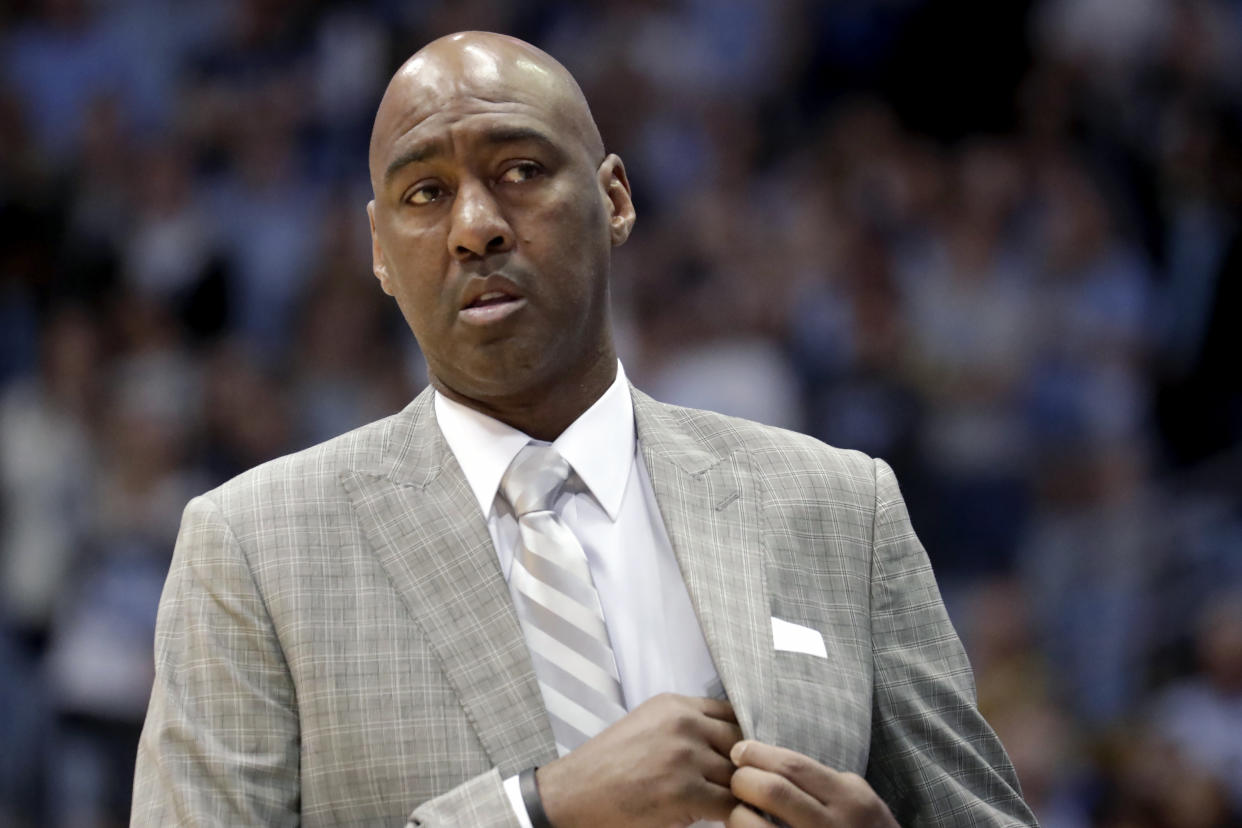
x=515, y=801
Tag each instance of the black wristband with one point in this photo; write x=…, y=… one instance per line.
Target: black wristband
x=529, y=786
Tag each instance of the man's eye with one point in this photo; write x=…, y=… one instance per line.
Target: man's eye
x=426, y=194
x=520, y=172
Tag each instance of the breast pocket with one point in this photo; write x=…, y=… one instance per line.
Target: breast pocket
x=821, y=704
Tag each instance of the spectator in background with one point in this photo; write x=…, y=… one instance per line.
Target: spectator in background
x=1017, y=693
x=1088, y=404
x=967, y=291
x=340, y=376
x=265, y=203
x=1201, y=715
x=169, y=252
x=47, y=472
x=1145, y=784
x=98, y=666
x=62, y=61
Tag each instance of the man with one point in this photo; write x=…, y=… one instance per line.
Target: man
x=346, y=638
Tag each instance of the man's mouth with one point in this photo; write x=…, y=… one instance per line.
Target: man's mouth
x=492, y=297
x=491, y=306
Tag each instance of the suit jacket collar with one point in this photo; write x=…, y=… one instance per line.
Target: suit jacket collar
x=414, y=451
x=457, y=595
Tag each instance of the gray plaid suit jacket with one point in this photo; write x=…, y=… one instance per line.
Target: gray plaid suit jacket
x=336, y=644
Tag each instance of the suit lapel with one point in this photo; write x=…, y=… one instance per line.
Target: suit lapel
x=422, y=522
x=710, y=507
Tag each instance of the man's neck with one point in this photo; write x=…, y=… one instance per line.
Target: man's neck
x=545, y=413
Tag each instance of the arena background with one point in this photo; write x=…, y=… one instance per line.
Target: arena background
x=996, y=243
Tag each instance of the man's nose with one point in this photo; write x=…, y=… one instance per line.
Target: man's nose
x=479, y=228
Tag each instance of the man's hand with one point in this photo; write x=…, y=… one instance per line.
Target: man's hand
x=800, y=791
x=664, y=764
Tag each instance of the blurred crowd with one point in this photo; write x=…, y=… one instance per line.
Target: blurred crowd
x=997, y=244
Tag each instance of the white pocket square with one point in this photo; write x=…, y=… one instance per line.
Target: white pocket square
x=796, y=638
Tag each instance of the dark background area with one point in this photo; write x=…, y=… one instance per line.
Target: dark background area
x=995, y=243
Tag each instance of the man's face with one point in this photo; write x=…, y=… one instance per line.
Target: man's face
x=493, y=221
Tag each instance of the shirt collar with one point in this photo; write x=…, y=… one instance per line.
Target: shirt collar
x=599, y=445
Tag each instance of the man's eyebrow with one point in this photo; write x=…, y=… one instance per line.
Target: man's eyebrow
x=419, y=152
x=496, y=136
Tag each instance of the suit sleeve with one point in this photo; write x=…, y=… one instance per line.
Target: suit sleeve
x=480, y=801
x=934, y=759
x=221, y=743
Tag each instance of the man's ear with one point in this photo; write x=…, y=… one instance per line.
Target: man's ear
x=616, y=188
x=378, y=265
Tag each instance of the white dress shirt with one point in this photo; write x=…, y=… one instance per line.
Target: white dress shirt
x=655, y=634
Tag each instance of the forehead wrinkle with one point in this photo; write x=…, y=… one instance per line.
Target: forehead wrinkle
x=418, y=118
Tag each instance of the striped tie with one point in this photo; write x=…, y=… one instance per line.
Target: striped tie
x=558, y=606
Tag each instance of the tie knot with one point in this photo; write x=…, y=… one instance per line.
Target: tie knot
x=534, y=479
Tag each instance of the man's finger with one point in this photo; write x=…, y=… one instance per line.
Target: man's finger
x=717, y=801
x=774, y=794
x=744, y=817
x=722, y=736
x=818, y=780
x=716, y=768
x=717, y=709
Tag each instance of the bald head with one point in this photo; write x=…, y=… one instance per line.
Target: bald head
x=485, y=67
